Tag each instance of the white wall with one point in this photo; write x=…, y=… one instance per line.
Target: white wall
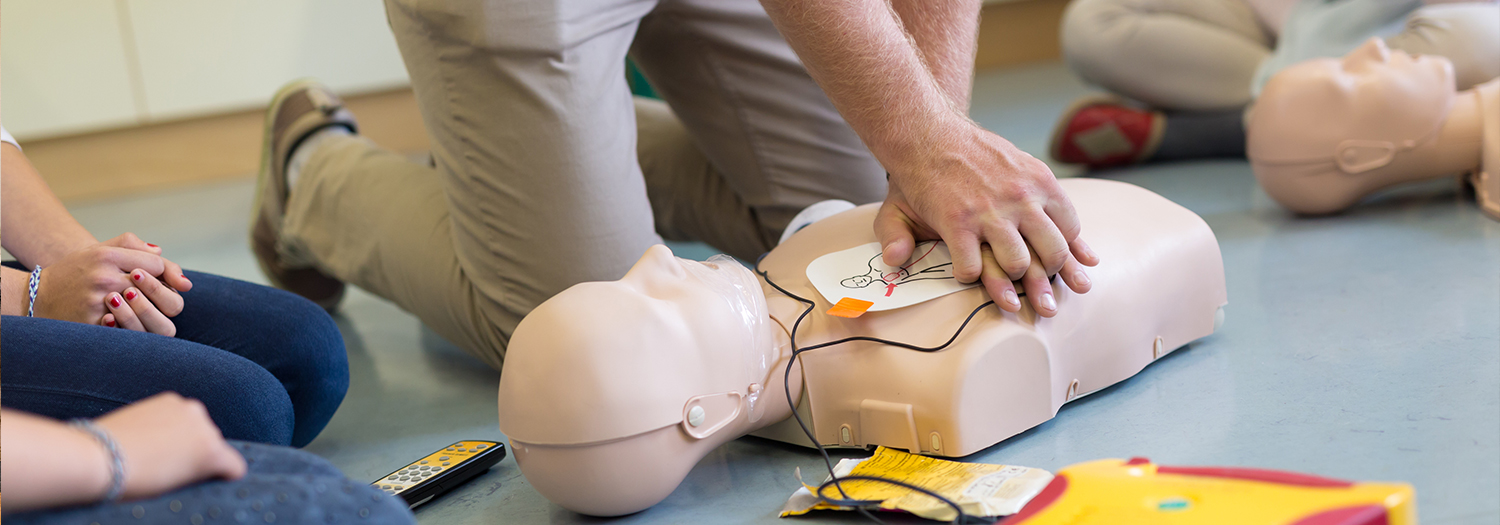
x=62, y=67
x=72, y=66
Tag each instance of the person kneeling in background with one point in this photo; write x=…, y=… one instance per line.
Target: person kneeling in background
x=1181, y=72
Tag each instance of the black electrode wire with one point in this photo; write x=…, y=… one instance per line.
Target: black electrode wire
x=834, y=479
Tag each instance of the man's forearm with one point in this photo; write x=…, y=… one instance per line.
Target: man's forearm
x=36, y=227
x=945, y=33
x=858, y=53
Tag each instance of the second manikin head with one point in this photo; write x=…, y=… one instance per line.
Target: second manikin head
x=1326, y=132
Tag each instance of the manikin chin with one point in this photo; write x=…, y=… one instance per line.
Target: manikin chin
x=612, y=391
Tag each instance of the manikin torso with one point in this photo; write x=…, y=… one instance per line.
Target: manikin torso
x=604, y=425
x=865, y=394
x=1328, y=132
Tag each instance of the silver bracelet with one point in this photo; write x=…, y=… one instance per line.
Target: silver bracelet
x=36, y=279
x=116, y=464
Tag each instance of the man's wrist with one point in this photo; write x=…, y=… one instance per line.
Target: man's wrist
x=915, y=150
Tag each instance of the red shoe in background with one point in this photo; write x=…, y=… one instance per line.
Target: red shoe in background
x=1102, y=131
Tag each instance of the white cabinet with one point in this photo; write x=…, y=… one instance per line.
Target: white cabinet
x=222, y=55
x=71, y=66
x=63, y=67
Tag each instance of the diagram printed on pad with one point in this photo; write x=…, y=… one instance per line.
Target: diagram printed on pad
x=860, y=273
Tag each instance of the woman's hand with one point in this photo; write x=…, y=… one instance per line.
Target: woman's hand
x=144, y=307
x=171, y=273
x=167, y=441
x=114, y=283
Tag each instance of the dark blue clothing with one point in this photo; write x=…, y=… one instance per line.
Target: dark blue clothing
x=282, y=486
x=269, y=365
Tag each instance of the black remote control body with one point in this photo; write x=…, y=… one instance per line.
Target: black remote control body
x=441, y=471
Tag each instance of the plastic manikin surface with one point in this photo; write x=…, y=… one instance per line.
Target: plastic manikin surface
x=612, y=391
x=1327, y=132
x=860, y=273
x=1486, y=179
x=1161, y=278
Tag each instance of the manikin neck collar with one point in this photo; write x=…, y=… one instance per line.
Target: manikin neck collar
x=742, y=294
x=1358, y=156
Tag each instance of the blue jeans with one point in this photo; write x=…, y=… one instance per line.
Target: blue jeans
x=282, y=486
x=269, y=365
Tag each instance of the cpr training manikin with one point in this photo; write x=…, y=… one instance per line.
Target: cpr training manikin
x=612, y=391
x=1325, y=133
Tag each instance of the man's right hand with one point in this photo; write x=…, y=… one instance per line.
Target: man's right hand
x=993, y=204
x=115, y=282
x=168, y=441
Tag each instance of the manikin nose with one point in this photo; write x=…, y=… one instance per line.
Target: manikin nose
x=1373, y=49
x=658, y=261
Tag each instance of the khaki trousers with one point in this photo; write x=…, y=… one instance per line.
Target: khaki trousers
x=548, y=173
x=1195, y=55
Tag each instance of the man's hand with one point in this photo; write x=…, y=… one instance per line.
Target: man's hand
x=987, y=200
x=898, y=72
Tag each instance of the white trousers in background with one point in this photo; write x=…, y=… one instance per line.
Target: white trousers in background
x=1204, y=54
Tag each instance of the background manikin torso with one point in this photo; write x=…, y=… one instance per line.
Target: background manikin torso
x=1486, y=179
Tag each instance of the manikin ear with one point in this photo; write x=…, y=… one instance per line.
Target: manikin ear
x=1359, y=156
x=702, y=416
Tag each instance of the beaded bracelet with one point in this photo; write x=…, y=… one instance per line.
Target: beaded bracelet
x=36, y=279
x=116, y=464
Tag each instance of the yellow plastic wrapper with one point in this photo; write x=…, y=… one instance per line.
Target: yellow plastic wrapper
x=980, y=489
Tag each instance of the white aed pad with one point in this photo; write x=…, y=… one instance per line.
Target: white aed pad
x=859, y=273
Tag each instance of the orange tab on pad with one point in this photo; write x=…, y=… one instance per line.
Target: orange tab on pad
x=850, y=307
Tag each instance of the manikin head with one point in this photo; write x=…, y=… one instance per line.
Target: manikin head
x=674, y=356
x=1326, y=132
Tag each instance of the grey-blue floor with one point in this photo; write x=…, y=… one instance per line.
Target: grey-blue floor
x=1363, y=346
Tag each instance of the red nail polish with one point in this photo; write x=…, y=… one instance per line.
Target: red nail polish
x=114, y=301
x=135, y=276
x=130, y=294
x=152, y=245
x=110, y=323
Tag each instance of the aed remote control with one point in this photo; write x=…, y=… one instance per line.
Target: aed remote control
x=441, y=471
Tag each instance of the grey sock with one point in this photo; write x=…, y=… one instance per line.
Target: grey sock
x=1201, y=135
x=305, y=151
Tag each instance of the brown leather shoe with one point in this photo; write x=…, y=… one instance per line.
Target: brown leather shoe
x=297, y=111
